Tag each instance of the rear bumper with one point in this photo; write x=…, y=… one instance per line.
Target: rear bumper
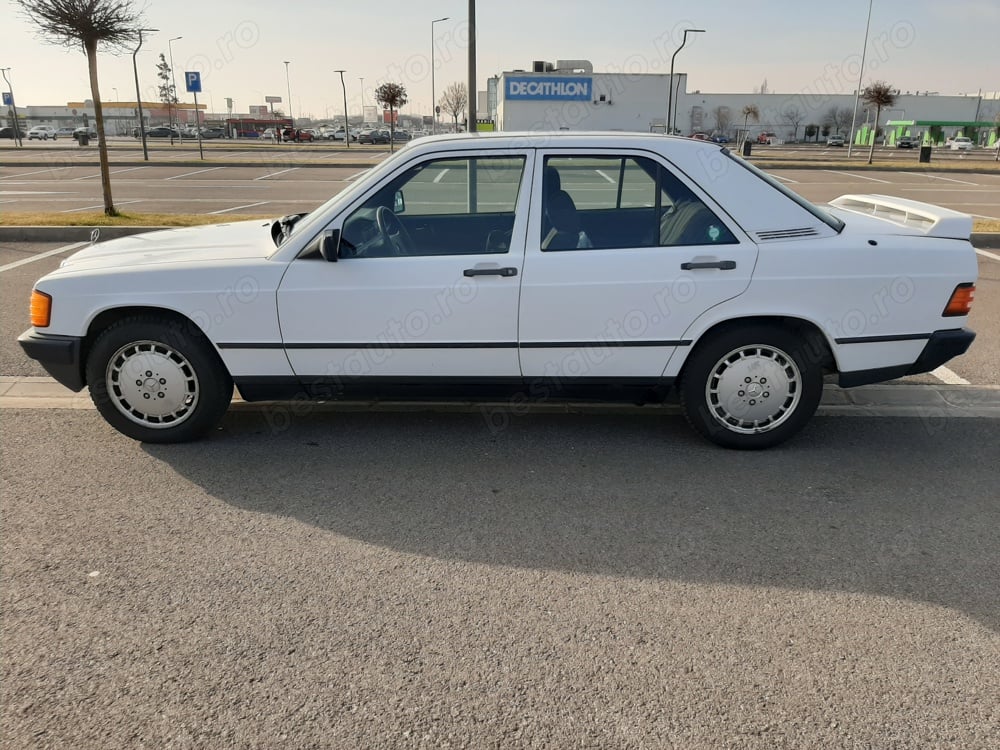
x=59, y=355
x=940, y=347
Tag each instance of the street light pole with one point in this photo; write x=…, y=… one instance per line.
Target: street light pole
x=13, y=106
x=857, y=94
x=118, y=111
x=434, y=118
x=173, y=85
x=362, y=102
x=471, y=122
x=671, y=105
x=347, y=130
x=288, y=87
x=138, y=95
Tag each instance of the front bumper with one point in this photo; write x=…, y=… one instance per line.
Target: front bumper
x=59, y=355
x=940, y=347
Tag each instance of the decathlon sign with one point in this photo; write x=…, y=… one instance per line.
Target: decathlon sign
x=562, y=88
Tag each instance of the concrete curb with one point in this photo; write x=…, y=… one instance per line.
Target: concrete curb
x=983, y=240
x=901, y=400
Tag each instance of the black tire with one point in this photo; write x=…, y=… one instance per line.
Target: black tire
x=181, y=391
x=751, y=386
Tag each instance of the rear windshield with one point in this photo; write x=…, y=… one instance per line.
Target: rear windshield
x=829, y=219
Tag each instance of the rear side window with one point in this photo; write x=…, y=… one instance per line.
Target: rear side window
x=608, y=202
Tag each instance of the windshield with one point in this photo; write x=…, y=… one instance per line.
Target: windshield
x=829, y=219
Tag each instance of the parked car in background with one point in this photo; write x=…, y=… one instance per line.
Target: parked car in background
x=162, y=131
x=297, y=136
x=373, y=136
x=700, y=136
x=6, y=132
x=338, y=135
x=835, y=139
x=766, y=138
x=66, y=132
x=42, y=133
x=719, y=138
x=961, y=143
x=401, y=136
x=907, y=141
x=312, y=131
x=88, y=130
x=213, y=133
x=418, y=134
x=553, y=259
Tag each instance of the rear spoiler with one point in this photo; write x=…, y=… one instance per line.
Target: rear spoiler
x=933, y=221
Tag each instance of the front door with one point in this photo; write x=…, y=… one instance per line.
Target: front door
x=425, y=290
x=622, y=255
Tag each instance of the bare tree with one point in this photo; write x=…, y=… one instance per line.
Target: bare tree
x=838, y=119
x=454, y=100
x=879, y=95
x=166, y=90
x=794, y=117
x=88, y=24
x=750, y=112
x=393, y=96
x=723, y=119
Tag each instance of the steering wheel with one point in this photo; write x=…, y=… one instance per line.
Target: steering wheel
x=393, y=232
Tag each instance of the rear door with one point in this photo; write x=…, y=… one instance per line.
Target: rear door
x=622, y=254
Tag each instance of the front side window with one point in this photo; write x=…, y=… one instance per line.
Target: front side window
x=606, y=202
x=455, y=206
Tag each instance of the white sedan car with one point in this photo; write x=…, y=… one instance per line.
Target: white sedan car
x=519, y=267
x=961, y=143
x=43, y=133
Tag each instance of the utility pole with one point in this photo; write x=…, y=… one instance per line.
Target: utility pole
x=138, y=95
x=173, y=84
x=288, y=87
x=472, y=67
x=347, y=130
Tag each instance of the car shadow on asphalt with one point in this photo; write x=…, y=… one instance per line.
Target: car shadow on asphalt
x=902, y=508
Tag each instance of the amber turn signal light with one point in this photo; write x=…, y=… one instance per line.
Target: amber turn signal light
x=41, y=309
x=961, y=300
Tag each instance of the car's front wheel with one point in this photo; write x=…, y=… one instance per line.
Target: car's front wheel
x=753, y=386
x=157, y=380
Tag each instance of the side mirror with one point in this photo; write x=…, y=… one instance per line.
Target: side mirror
x=329, y=245
x=398, y=204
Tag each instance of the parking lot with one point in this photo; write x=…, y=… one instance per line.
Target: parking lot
x=422, y=577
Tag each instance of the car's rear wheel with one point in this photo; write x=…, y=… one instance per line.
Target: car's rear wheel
x=157, y=380
x=752, y=386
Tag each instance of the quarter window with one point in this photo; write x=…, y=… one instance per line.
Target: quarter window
x=607, y=202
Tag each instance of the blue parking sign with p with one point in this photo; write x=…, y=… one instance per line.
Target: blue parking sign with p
x=8, y=100
x=193, y=80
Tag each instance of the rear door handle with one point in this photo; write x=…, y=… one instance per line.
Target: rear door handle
x=506, y=271
x=725, y=265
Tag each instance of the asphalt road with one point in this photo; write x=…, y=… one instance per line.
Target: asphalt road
x=417, y=580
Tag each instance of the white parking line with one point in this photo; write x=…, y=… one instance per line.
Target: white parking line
x=858, y=176
x=237, y=208
x=355, y=176
x=25, y=174
x=785, y=179
x=274, y=174
x=188, y=174
x=100, y=205
x=985, y=254
x=605, y=176
x=119, y=171
x=949, y=179
x=947, y=376
x=33, y=258
x=441, y=174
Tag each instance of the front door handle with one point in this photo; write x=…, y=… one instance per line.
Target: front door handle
x=506, y=271
x=725, y=265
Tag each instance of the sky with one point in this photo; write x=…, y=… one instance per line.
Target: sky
x=240, y=48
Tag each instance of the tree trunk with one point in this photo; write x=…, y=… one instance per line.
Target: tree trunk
x=392, y=129
x=871, y=150
x=102, y=145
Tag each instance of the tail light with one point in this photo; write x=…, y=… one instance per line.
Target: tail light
x=961, y=301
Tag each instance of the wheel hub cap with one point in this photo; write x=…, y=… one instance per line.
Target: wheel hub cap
x=152, y=384
x=753, y=389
